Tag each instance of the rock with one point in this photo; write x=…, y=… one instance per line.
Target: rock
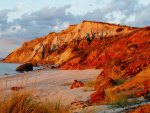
x=99, y=95
x=142, y=109
x=145, y=90
x=25, y=67
x=76, y=84
x=138, y=86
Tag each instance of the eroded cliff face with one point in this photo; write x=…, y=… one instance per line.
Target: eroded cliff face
x=142, y=109
x=73, y=42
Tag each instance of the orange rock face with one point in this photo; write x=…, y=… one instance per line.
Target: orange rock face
x=68, y=43
x=138, y=86
x=126, y=58
x=139, y=83
x=99, y=95
x=76, y=84
x=142, y=109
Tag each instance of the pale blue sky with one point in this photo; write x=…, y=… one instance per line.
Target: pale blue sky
x=78, y=6
x=33, y=5
x=23, y=20
x=28, y=6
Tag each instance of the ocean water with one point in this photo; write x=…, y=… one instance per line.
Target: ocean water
x=9, y=69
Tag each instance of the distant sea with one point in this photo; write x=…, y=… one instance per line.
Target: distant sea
x=9, y=69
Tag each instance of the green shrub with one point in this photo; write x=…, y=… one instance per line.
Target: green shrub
x=122, y=101
x=119, y=81
x=147, y=96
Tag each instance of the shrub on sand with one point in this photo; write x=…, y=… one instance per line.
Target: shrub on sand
x=121, y=101
x=89, y=85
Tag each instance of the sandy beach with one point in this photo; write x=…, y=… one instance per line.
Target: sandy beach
x=52, y=84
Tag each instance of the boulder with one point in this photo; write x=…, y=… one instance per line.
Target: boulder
x=76, y=84
x=25, y=67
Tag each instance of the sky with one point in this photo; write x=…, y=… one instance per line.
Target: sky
x=23, y=20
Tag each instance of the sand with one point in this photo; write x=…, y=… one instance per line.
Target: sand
x=53, y=84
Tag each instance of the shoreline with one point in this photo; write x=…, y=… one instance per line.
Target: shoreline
x=9, y=69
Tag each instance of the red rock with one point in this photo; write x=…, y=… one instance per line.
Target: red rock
x=139, y=85
x=142, y=109
x=145, y=89
x=99, y=95
x=76, y=84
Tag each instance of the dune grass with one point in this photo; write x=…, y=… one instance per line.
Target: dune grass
x=124, y=101
x=24, y=102
x=89, y=85
x=121, y=101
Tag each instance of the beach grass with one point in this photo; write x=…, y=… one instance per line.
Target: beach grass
x=24, y=102
x=89, y=85
x=121, y=101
